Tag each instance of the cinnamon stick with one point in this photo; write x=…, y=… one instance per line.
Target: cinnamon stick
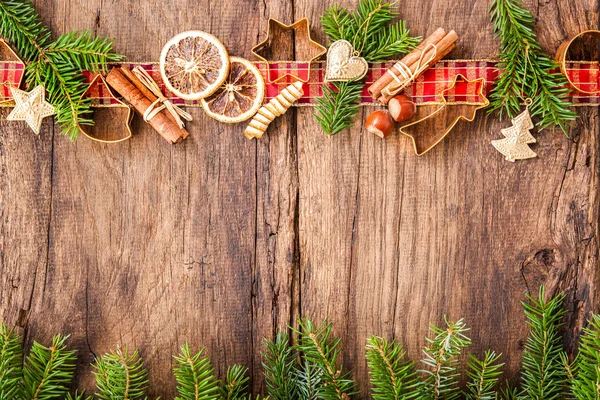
x=140, y=100
x=408, y=60
x=445, y=46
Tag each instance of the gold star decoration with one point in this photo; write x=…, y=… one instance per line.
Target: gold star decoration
x=31, y=107
x=293, y=38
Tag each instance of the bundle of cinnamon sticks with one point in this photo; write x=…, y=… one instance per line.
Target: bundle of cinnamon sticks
x=124, y=82
x=429, y=52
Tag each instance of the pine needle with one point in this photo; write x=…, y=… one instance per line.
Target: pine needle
x=543, y=375
x=120, y=375
x=392, y=376
x=308, y=381
x=236, y=384
x=49, y=371
x=526, y=71
x=585, y=373
x=11, y=364
x=195, y=376
x=317, y=346
x=441, y=359
x=279, y=366
x=483, y=376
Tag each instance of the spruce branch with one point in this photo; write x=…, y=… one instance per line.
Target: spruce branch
x=120, y=375
x=483, y=376
x=11, y=364
x=392, y=376
x=56, y=65
x=371, y=32
x=441, y=380
x=236, y=383
x=526, y=71
x=308, y=381
x=543, y=375
x=78, y=396
x=317, y=346
x=49, y=371
x=195, y=376
x=279, y=367
x=584, y=376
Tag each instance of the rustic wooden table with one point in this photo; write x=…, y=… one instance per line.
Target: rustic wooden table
x=221, y=241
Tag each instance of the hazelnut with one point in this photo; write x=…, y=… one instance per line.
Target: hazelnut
x=380, y=123
x=401, y=108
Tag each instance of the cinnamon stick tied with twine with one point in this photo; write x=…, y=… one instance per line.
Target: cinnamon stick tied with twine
x=146, y=97
x=406, y=71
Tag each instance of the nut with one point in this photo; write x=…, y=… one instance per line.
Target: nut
x=401, y=108
x=380, y=123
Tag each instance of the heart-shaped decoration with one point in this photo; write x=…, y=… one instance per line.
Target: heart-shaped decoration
x=342, y=64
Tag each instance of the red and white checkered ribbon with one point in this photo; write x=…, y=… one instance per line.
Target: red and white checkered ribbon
x=425, y=90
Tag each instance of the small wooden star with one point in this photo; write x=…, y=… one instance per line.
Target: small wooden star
x=31, y=107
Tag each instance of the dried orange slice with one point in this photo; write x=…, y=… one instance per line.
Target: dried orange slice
x=241, y=95
x=194, y=65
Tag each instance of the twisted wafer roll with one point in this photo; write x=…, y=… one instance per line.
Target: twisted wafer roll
x=273, y=109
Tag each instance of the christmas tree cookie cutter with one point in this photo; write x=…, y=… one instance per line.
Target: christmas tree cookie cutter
x=424, y=133
x=115, y=105
x=308, y=53
x=561, y=58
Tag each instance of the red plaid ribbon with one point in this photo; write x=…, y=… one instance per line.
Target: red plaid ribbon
x=12, y=74
x=425, y=90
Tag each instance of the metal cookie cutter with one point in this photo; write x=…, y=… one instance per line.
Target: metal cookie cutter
x=308, y=53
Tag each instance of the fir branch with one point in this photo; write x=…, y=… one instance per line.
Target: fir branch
x=483, y=375
x=392, y=377
x=11, y=364
x=441, y=381
x=279, y=367
x=120, y=375
x=510, y=393
x=338, y=106
x=391, y=41
x=317, y=346
x=49, y=371
x=195, y=376
x=543, y=375
x=336, y=22
x=56, y=65
x=370, y=17
x=236, y=384
x=526, y=71
x=78, y=396
x=585, y=374
x=308, y=381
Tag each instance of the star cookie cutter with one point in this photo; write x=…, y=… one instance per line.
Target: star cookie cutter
x=309, y=54
x=116, y=105
x=437, y=138
x=561, y=59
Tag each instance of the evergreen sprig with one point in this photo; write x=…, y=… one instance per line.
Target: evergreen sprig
x=48, y=371
x=543, y=375
x=371, y=32
x=392, y=376
x=441, y=359
x=235, y=386
x=11, y=364
x=120, y=375
x=308, y=381
x=585, y=374
x=526, y=71
x=317, y=345
x=483, y=376
x=57, y=65
x=195, y=376
x=279, y=366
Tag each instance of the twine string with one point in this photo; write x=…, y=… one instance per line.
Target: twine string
x=407, y=77
x=161, y=102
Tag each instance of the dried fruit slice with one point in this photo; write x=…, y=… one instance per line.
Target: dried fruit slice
x=194, y=65
x=241, y=95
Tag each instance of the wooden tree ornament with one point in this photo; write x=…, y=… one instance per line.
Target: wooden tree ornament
x=114, y=116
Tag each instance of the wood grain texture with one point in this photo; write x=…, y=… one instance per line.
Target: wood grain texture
x=221, y=241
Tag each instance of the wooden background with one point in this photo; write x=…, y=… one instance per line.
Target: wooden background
x=221, y=241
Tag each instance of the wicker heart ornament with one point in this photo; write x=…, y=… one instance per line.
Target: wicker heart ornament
x=343, y=65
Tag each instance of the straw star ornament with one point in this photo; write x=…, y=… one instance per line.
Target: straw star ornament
x=31, y=107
